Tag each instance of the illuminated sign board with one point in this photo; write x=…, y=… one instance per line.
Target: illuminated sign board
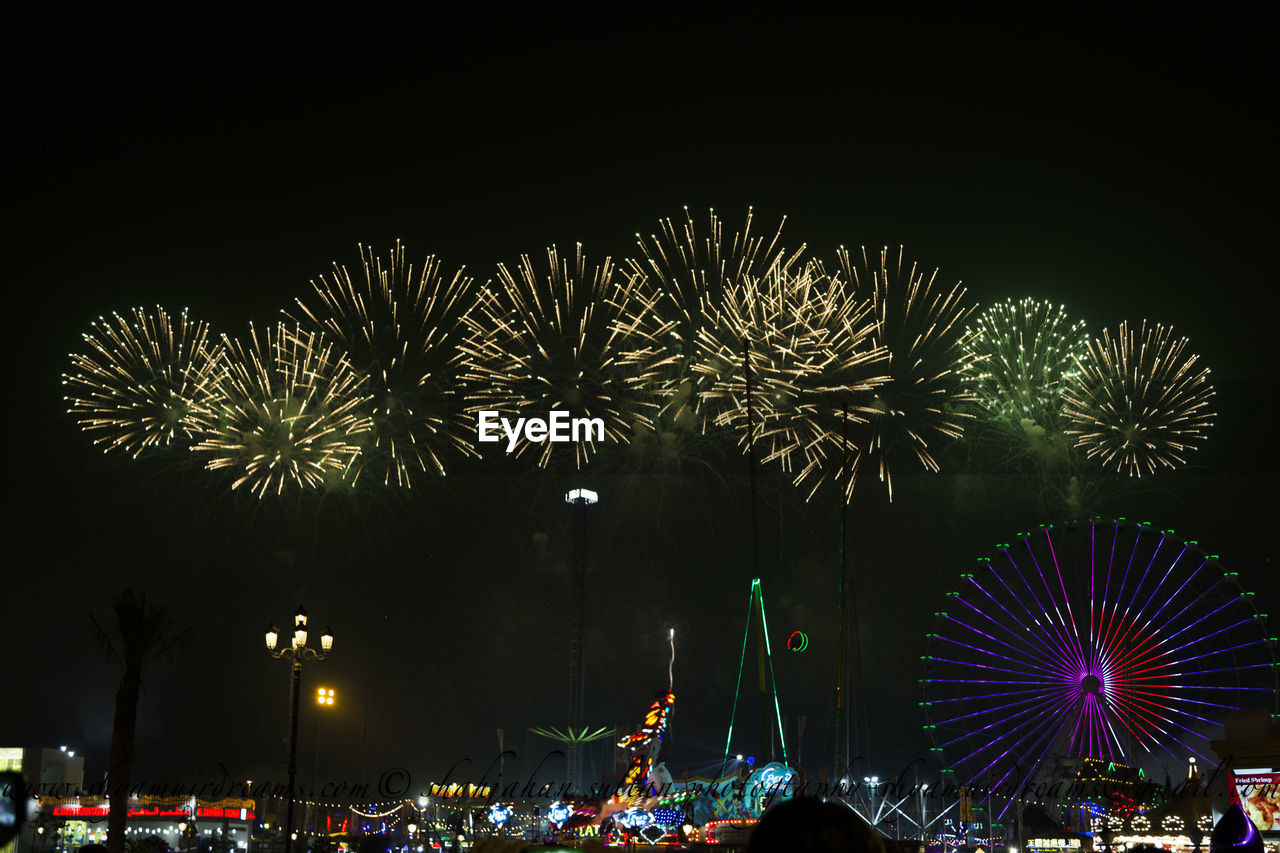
x=1259, y=796
x=205, y=812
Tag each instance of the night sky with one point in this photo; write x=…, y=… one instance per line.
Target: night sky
x=1121, y=167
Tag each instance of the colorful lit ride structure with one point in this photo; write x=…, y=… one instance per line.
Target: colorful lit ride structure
x=641, y=809
x=1107, y=640
x=651, y=807
x=644, y=746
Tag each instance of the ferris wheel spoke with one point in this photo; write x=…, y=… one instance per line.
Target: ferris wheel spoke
x=1080, y=713
x=985, y=666
x=1096, y=730
x=1174, y=620
x=1115, y=608
x=1066, y=599
x=1097, y=614
x=1137, y=590
x=1034, y=722
x=1197, y=640
x=976, y=698
x=992, y=709
x=1229, y=688
x=1093, y=592
x=1026, y=665
x=1048, y=736
x=1029, y=664
x=1101, y=729
x=1160, y=584
x=1170, y=736
x=1139, y=621
x=1024, y=636
x=1106, y=725
x=1182, y=661
x=1189, y=700
x=1145, y=701
x=1150, y=716
x=1005, y=719
x=1000, y=782
x=1062, y=647
x=1020, y=683
x=1061, y=628
x=1135, y=726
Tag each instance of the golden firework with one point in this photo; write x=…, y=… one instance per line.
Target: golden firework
x=683, y=275
x=288, y=412
x=135, y=387
x=551, y=338
x=1139, y=401
x=918, y=321
x=400, y=327
x=809, y=348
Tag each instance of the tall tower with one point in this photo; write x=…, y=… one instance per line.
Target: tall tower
x=579, y=499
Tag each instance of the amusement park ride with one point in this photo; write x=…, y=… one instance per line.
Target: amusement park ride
x=1068, y=665
x=1070, y=689
x=1072, y=668
x=649, y=806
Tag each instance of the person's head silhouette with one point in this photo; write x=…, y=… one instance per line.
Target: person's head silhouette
x=807, y=825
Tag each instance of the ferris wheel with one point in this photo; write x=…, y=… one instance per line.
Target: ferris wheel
x=1099, y=639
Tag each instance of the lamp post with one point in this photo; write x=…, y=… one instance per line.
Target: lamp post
x=324, y=698
x=872, y=783
x=297, y=651
x=253, y=807
x=924, y=821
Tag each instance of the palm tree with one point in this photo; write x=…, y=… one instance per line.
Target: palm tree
x=140, y=635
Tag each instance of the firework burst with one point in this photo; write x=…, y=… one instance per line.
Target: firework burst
x=400, y=327
x=1139, y=402
x=552, y=340
x=1019, y=358
x=136, y=386
x=844, y=393
x=918, y=322
x=287, y=413
x=810, y=349
x=685, y=275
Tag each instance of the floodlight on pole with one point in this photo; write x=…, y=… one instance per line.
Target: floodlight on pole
x=580, y=499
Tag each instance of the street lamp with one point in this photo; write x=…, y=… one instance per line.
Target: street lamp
x=924, y=836
x=296, y=652
x=873, y=782
x=324, y=698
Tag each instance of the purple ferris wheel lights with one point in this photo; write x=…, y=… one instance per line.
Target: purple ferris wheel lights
x=1104, y=639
